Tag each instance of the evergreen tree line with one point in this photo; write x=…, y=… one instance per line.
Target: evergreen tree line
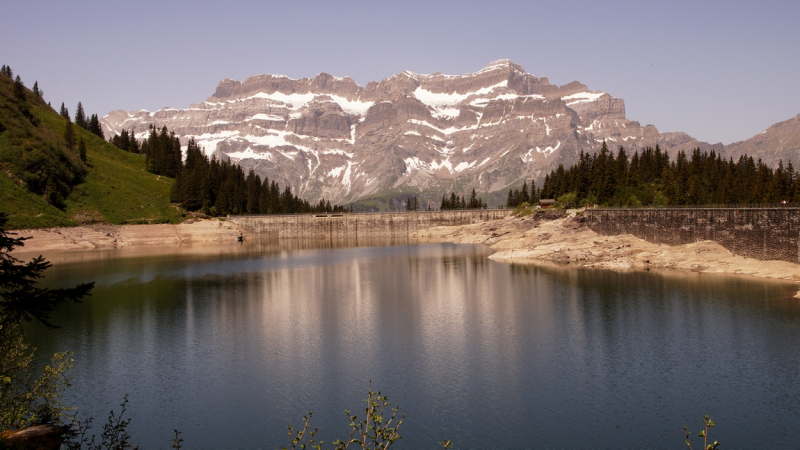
x=458, y=202
x=221, y=187
x=650, y=178
x=19, y=90
x=92, y=124
x=126, y=141
x=19, y=95
x=517, y=197
x=412, y=203
x=162, y=149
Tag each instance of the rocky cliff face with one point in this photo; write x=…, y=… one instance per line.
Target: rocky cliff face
x=780, y=142
x=424, y=134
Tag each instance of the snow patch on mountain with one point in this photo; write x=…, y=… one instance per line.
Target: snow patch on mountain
x=548, y=150
x=262, y=116
x=582, y=97
x=248, y=153
x=436, y=99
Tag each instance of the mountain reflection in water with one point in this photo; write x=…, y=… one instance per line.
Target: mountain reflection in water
x=230, y=345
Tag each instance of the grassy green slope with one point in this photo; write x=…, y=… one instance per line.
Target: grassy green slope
x=116, y=188
x=28, y=210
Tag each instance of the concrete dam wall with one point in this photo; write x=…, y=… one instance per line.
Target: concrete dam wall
x=760, y=233
x=359, y=225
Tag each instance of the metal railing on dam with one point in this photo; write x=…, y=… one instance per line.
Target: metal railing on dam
x=765, y=233
x=359, y=225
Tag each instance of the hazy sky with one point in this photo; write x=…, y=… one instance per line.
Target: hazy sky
x=720, y=71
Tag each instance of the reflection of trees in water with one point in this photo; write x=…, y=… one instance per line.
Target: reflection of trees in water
x=608, y=304
x=267, y=246
x=459, y=262
x=453, y=259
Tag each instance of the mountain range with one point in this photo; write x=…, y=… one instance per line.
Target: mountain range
x=419, y=134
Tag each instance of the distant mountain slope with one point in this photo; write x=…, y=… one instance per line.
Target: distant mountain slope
x=778, y=142
x=426, y=134
x=111, y=187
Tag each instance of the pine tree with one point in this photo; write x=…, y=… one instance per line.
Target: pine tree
x=36, y=89
x=64, y=112
x=6, y=70
x=80, y=117
x=253, y=184
x=19, y=89
x=796, y=197
x=95, y=128
x=473, y=200
x=82, y=150
x=264, y=200
x=69, y=136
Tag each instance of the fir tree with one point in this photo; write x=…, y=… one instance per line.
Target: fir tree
x=69, y=136
x=796, y=197
x=82, y=150
x=6, y=70
x=253, y=184
x=36, y=89
x=80, y=117
x=95, y=128
x=19, y=89
x=64, y=112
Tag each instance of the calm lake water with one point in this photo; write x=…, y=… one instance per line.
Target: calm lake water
x=231, y=345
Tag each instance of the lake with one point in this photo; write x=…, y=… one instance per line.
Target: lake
x=231, y=344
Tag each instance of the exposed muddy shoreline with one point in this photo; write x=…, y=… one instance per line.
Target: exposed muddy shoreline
x=570, y=241
x=530, y=239
x=101, y=236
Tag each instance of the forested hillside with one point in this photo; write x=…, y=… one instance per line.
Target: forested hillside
x=651, y=178
x=221, y=187
x=59, y=173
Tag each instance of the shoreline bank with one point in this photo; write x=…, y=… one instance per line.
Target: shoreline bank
x=515, y=240
x=104, y=236
x=570, y=241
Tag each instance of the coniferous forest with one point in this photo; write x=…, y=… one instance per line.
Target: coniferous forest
x=162, y=150
x=458, y=202
x=212, y=186
x=650, y=178
x=517, y=197
x=221, y=187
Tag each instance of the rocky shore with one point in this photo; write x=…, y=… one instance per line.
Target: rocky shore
x=570, y=241
x=101, y=236
x=566, y=240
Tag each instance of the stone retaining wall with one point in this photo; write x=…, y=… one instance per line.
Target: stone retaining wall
x=760, y=233
x=359, y=225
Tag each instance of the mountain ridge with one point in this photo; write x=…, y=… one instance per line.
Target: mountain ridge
x=427, y=134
